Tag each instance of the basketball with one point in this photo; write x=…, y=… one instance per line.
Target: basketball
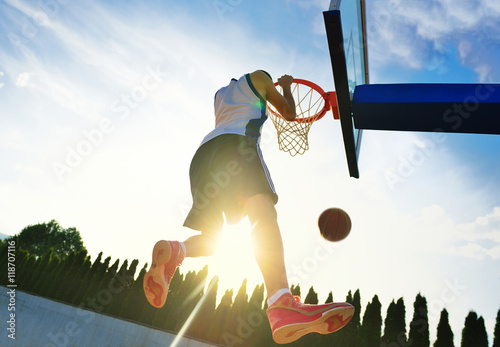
x=334, y=224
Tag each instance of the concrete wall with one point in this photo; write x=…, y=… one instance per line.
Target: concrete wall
x=42, y=323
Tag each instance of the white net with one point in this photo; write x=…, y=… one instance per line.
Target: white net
x=310, y=106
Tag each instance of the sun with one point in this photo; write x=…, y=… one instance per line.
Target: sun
x=234, y=260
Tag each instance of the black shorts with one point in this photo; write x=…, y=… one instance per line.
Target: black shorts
x=224, y=172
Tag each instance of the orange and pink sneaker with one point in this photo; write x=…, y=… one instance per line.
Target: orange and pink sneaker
x=167, y=256
x=290, y=319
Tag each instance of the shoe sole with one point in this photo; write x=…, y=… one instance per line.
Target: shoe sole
x=331, y=321
x=154, y=283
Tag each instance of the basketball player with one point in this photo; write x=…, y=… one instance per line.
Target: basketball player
x=229, y=176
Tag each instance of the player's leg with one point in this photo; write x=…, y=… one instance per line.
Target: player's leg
x=168, y=256
x=268, y=245
x=288, y=317
x=202, y=245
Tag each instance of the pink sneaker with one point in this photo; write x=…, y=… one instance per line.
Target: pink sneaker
x=167, y=256
x=290, y=319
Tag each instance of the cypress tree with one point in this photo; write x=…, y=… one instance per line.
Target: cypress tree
x=136, y=307
x=21, y=258
x=419, y=326
x=395, y=324
x=182, y=300
x=329, y=299
x=205, y=313
x=311, y=297
x=256, y=318
x=3, y=261
x=81, y=293
x=195, y=301
x=96, y=299
x=120, y=285
x=444, y=332
x=26, y=272
x=234, y=324
x=350, y=332
x=39, y=272
x=468, y=333
x=474, y=332
x=74, y=279
x=482, y=335
x=80, y=281
x=167, y=316
x=216, y=331
x=371, y=328
x=51, y=282
x=496, y=333
x=64, y=275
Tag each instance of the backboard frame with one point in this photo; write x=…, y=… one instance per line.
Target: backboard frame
x=343, y=84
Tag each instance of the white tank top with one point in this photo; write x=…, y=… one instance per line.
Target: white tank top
x=239, y=109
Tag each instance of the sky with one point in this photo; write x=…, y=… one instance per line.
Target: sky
x=103, y=104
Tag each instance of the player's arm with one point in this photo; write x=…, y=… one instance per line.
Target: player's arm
x=285, y=103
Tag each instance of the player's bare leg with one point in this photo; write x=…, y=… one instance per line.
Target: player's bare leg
x=267, y=242
x=167, y=256
x=202, y=245
x=289, y=318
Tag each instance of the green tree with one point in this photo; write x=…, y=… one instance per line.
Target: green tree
x=496, y=333
x=419, y=326
x=39, y=238
x=351, y=331
x=311, y=297
x=234, y=330
x=474, y=332
x=135, y=306
x=295, y=290
x=256, y=318
x=329, y=298
x=120, y=284
x=395, y=324
x=205, y=312
x=47, y=288
x=168, y=316
x=371, y=328
x=80, y=294
x=216, y=331
x=25, y=273
x=444, y=332
x=74, y=275
x=38, y=275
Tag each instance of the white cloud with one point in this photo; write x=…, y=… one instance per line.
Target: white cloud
x=23, y=80
x=479, y=239
x=36, y=171
x=408, y=33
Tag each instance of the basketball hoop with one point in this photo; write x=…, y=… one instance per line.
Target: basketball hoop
x=311, y=104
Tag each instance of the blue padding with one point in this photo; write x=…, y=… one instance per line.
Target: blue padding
x=459, y=108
